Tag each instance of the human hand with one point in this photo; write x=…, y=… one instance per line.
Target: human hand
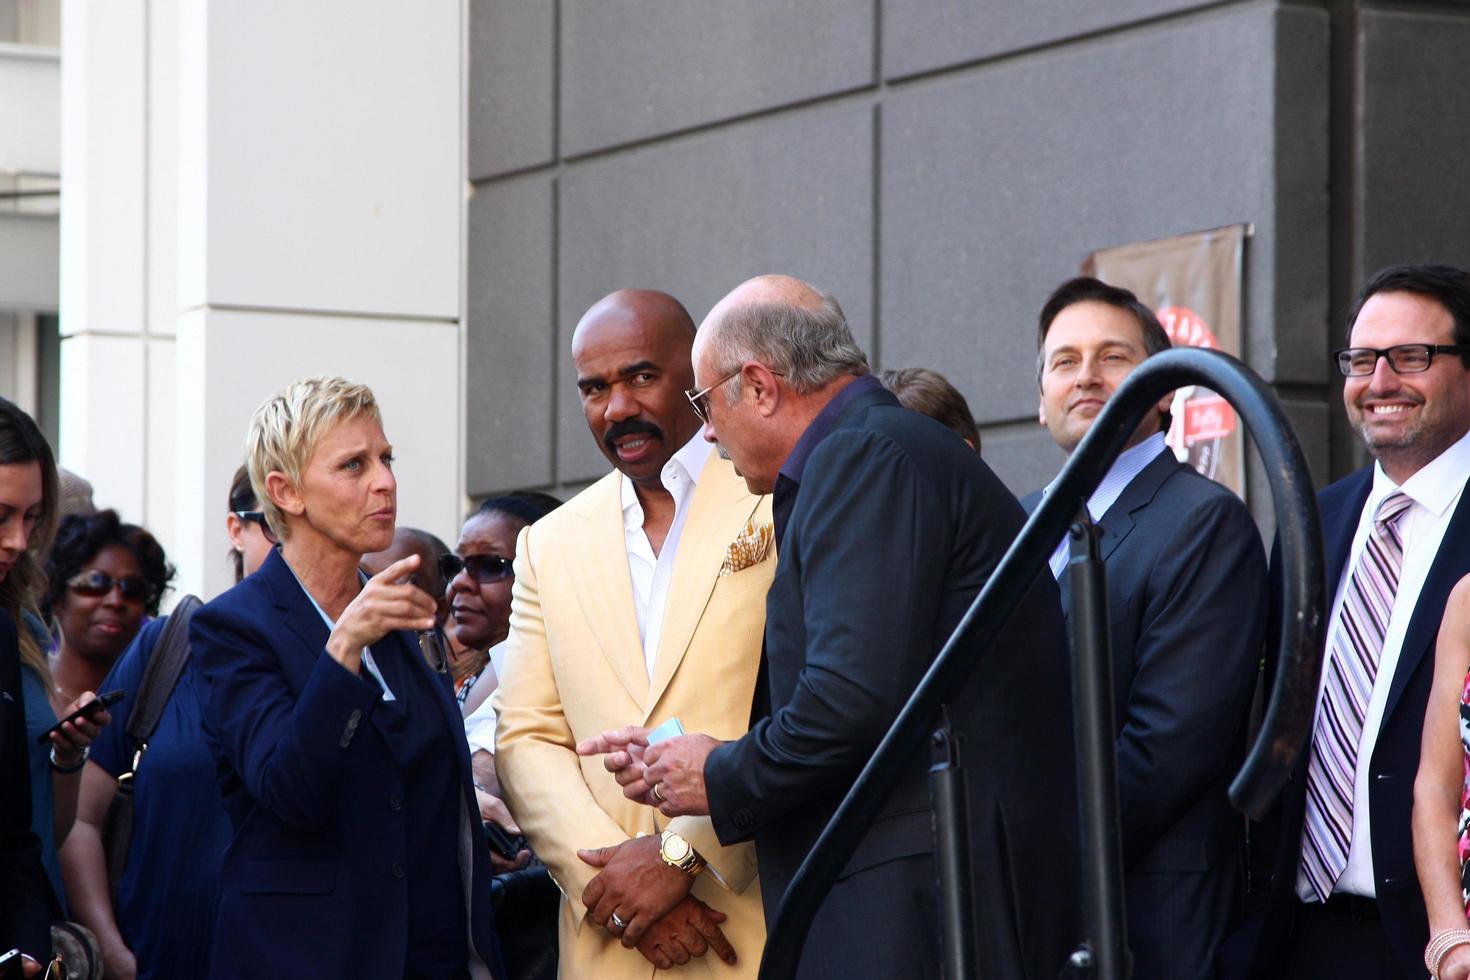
x=73, y=737
x=624, y=751
x=675, y=775
x=1456, y=964
x=118, y=962
x=29, y=967
x=493, y=810
x=634, y=882
x=690, y=930
x=384, y=604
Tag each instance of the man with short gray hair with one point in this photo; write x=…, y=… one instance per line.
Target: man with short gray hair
x=887, y=527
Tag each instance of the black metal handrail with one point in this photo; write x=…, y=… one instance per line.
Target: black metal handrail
x=1288, y=714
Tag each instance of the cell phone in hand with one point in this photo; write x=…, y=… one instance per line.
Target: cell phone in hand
x=502, y=843
x=672, y=728
x=11, y=965
x=101, y=702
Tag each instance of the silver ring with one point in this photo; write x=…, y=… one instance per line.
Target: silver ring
x=618, y=922
x=657, y=793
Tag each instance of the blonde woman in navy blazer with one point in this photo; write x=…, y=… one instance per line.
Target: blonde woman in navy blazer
x=358, y=850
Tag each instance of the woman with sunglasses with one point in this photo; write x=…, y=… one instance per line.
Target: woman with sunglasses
x=357, y=848
x=160, y=923
x=479, y=576
x=104, y=576
x=38, y=781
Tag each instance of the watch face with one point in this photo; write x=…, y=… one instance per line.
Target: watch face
x=676, y=848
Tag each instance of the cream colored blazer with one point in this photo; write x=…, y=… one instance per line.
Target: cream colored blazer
x=574, y=668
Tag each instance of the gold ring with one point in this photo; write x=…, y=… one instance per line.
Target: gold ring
x=657, y=793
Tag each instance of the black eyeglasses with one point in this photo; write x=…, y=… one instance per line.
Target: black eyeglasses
x=481, y=568
x=1357, y=362
x=258, y=517
x=97, y=583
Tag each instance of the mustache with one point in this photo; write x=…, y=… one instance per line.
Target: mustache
x=630, y=427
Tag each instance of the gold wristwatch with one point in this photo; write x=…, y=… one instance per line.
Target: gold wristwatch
x=677, y=852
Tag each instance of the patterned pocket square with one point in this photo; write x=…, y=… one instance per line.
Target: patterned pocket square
x=750, y=548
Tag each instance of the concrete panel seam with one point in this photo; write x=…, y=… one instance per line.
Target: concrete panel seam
x=447, y=321
x=1075, y=40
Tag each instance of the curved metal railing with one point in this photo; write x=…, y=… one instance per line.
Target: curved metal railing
x=1288, y=716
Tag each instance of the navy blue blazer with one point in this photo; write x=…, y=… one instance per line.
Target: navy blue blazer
x=313, y=881
x=1187, y=612
x=1395, y=760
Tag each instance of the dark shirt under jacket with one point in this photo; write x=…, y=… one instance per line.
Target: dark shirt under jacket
x=888, y=526
x=1187, y=609
x=357, y=841
x=25, y=896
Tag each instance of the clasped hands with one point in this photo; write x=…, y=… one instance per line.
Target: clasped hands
x=658, y=915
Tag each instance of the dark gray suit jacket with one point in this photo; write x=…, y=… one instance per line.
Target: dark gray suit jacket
x=895, y=528
x=1187, y=611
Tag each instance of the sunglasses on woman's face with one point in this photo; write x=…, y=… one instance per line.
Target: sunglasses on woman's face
x=483, y=569
x=96, y=583
x=258, y=517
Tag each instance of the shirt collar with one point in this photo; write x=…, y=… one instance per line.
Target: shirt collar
x=1435, y=486
x=679, y=475
x=824, y=423
x=1130, y=462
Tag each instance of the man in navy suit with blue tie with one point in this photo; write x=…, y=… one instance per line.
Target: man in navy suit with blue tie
x=1344, y=900
x=1187, y=611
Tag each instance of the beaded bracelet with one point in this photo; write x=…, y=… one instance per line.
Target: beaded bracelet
x=1441, y=944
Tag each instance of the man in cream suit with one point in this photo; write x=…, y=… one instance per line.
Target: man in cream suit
x=639, y=601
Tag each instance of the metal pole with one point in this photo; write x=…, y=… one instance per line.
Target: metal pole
x=952, y=853
x=1104, y=953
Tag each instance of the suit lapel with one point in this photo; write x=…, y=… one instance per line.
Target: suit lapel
x=299, y=615
x=720, y=497
x=1450, y=563
x=598, y=564
x=1118, y=522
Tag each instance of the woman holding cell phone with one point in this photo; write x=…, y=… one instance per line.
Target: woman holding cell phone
x=342, y=761
x=28, y=510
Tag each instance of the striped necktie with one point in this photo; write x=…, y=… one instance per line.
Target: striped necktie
x=1357, y=642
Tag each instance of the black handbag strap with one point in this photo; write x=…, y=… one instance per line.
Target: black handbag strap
x=161, y=675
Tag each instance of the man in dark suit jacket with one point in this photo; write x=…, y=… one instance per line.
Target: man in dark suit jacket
x=25, y=896
x=887, y=527
x=1411, y=405
x=1187, y=612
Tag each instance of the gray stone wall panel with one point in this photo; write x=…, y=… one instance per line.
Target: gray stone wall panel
x=1413, y=196
x=512, y=81
x=697, y=216
x=923, y=35
x=639, y=68
x=998, y=181
x=509, y=373
x=1024, y=457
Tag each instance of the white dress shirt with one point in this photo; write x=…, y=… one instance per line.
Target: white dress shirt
x=479, y=725
x=651, y=573
x=1130, y=463
x=1435, y=490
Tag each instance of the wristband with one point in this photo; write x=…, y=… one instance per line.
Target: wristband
x=1441, y=944
x=58, y=767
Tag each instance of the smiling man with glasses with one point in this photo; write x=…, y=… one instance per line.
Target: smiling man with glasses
x=1345, y=898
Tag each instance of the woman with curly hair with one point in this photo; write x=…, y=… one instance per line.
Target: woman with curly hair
x=105, y=576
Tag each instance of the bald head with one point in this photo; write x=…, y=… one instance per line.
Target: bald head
x=631, y=351
x=647, y=309
x=793, y=327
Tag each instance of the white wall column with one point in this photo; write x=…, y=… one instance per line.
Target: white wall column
x=320, y=182
x=257, y=193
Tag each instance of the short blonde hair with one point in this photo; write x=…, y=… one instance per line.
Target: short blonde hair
x=285, y=430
